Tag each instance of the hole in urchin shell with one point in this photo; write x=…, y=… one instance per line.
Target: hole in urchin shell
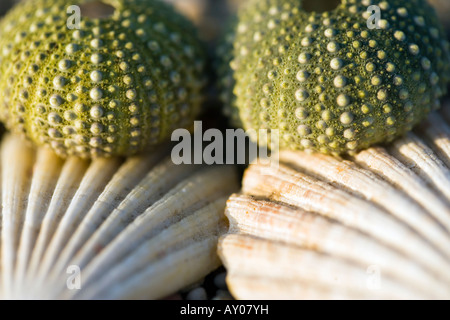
x=97, y=10
x=320, y=5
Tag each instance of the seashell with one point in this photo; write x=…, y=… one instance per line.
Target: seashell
x=136, y=228
x=374, y=226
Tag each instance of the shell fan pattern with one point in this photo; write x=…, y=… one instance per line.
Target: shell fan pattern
x=139, y=228
x=325, y=80
x=115, y=86
x=376, y=226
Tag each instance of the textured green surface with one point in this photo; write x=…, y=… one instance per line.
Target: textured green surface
x=328, y=82
x=114, y=87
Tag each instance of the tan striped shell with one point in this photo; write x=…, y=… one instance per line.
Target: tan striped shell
x=373, y=227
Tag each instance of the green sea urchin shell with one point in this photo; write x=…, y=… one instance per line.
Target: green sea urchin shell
x=115, y=86
x=327, y=81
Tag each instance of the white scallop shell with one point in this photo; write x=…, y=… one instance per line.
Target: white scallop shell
x=143, y=228
x=319, y=227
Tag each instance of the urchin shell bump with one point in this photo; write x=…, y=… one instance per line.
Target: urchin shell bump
x=113, y=85
x=325, y=80
x=140, y=228
x=376, y=226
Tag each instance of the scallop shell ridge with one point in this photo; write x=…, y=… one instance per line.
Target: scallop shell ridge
x=140, y=228
x=376, y=226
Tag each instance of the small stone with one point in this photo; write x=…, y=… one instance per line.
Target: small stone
x=197, y=294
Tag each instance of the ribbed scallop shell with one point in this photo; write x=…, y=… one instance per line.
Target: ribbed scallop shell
x=136, y=228
x=375, y=226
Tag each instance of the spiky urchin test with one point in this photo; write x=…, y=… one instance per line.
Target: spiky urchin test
x=117, y=85
x=327, y=81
